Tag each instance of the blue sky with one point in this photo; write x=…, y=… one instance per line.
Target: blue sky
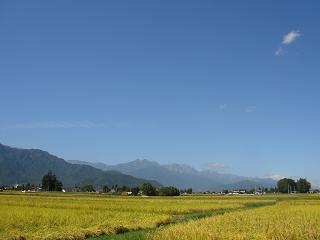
x=229, y=84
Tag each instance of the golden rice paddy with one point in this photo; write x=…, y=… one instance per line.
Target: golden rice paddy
x=56, y=216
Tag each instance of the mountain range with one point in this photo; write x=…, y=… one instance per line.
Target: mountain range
x=183, y=176
x=29, y=165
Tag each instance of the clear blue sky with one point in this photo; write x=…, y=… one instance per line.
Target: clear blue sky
x=193, y=82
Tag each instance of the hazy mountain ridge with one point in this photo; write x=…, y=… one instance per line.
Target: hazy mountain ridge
x=184, y=176
x=29, y=165
x=98, y=165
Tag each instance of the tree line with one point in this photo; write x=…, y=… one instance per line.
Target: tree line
x=287, y=185
x=50, y=182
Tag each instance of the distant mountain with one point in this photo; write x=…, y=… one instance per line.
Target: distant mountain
x=184, y=176
x=98, y=165
x=29, y=165
x=168, y=175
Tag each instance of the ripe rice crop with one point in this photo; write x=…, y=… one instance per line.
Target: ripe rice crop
x=291, y=218
x=77, y=216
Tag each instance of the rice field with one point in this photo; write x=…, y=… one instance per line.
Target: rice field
x=56, y=216
x=291, y=218
x=78, y=216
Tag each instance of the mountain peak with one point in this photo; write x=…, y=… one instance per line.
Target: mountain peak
x=181, y=168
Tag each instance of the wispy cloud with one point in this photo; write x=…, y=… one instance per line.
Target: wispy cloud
x=279, y=52
x=250, y=109
x=59, y=124
x=216, y=165
x=223, y=106
x=287, y=39
x=290, y=37
x=235, y=108
x=276, y=177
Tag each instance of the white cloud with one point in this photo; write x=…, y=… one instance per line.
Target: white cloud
x=290, y=37
x=216, y=165
x=286, y=40
x=250, y=109
x=58, y=124
x=279, y=52
x=276, y=177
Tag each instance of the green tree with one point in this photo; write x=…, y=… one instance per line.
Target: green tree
x=169, y=191
x=135, y=191
x=271, y=190
x=115, y=188
x=58, y=185
x=148, y=189
x=87, y=188
x=51, y=183
x=286, y=184
x=303, y=186
x=106, y=189
x=251, y=191
x=189, y=191
x=124, y=189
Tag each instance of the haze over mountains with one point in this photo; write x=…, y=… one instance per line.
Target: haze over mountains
x=29, y=165
x=183, y=176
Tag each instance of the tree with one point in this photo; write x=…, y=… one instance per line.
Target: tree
x=124, y=189
x=106, y=189
x=148, y=189
x=189, y=191
x=135, y=191
x=286, y=185
x=51, y=183
x=271, y=190
x=251, y=191
x=58, y=186
x=225, y=191
x=87, y=188
x=303, y=186
x=114, y=188
x=169, y=191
